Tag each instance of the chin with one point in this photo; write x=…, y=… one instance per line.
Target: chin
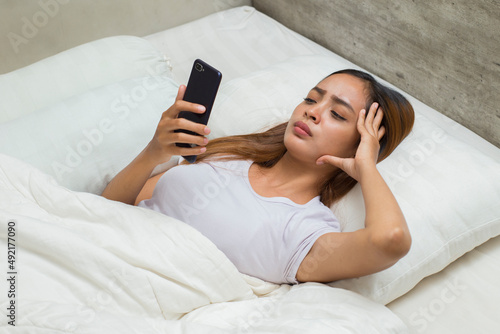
x=302, y=154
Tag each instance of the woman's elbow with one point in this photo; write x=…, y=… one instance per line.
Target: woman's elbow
x=396, y=242
x=401, y=239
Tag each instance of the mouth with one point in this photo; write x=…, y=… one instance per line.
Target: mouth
x=301, y=128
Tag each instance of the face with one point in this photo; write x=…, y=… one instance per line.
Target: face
x=325, y=122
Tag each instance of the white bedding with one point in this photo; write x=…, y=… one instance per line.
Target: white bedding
x=91, y=265
x=463, y=298
x=85, y=264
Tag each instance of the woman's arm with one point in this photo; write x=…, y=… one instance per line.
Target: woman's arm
x=385, y=238
x=148, y=189
x=127, y=184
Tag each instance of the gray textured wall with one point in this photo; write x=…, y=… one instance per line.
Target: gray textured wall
x=445, y=53
x=31, y=30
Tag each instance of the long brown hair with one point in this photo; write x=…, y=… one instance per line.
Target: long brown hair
x=267, y=148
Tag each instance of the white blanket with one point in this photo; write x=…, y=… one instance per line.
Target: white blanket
x=85, y=264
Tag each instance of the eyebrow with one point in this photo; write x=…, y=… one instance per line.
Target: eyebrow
x=335, y=98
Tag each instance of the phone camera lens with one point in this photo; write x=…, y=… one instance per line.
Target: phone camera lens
x=199, y=67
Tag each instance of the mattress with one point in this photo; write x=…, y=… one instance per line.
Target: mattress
x=463, y=297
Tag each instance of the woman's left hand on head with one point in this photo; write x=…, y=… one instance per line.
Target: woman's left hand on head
x=371, y=131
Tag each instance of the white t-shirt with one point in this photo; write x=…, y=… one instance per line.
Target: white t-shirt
x=265, y=237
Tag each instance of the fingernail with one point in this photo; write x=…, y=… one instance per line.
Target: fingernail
x=206, y=130
x=320, y=162
x=203, y=149
x=205, y=141
x=201, y=108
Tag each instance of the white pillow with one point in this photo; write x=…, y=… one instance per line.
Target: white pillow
x=77, y=70
x=85, y=140
x=449, y=192
x=445, y=178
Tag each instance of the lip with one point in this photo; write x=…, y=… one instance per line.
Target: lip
x=302, y=128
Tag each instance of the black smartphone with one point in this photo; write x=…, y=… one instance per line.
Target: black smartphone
x=202, y=88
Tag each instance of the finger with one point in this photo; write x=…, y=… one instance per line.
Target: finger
x=180, y=92
x=180, y=97
x=378, y=118
x=186, y=138
x=381, y=132
x=331, y=160
x=197, y=150
x=361, y=122
x=371, y=115
x=185, y=124
x=181, y=105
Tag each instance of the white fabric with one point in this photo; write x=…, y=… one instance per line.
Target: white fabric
x=77, y=70
x=265, y=237
x=463, y=298
x=89, y=265
x=237, y=41
x=85, y=140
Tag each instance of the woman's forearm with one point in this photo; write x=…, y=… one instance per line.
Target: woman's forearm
x=127, y=184
x=384, y=217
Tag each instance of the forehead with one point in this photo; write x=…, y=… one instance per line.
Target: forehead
x=347, y=87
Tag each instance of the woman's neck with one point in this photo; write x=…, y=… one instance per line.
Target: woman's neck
x=287, y=178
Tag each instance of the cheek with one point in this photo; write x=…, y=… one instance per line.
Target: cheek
x=342, y=141
x=297, y=112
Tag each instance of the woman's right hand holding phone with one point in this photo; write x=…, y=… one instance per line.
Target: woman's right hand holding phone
x=126, y=185
x=162, y=147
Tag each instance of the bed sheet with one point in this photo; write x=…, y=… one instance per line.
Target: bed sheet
x=460, y=299
x=243, y=40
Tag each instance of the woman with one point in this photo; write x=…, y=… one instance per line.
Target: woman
x=263, y=198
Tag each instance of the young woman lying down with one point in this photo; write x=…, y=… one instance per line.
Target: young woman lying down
x=269, y=193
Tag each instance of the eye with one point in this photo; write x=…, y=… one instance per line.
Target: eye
x=308, y=100
x=337, y=116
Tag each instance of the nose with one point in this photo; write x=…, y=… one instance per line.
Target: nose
x=313, y=114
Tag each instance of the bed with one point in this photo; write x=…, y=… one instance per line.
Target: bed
x=86, y=264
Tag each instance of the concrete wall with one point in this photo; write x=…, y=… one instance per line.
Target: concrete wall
x=31, y=30
x=445, y=53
